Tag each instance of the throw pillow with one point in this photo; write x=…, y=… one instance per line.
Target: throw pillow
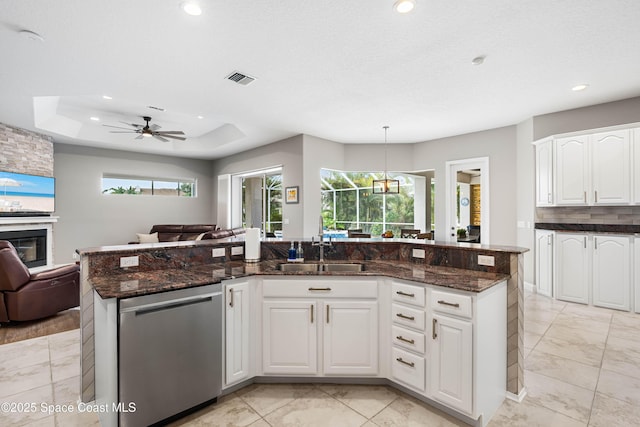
x=147, y=238
x=200, y=236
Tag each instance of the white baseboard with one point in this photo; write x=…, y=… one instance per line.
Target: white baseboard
x=530, y=287
x=517, y=397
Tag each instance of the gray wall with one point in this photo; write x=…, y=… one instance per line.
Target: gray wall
x=89, y=218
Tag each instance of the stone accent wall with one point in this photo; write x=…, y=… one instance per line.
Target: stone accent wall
x=629, y=215
x=23, y=151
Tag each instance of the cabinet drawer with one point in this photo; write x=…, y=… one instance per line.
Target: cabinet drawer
x=301, y=288
x=450, y=303
x=408, y=368
x=407, y=338
x=407, y=316
x=408, y=294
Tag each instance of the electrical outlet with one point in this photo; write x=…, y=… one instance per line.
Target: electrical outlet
x=217, y=252
x=129, y=261
x=486, y=260
x=237, y=250
x=418, y=253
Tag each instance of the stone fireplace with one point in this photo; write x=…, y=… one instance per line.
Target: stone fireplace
x=32, y=238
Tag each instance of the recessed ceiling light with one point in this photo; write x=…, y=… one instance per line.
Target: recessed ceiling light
x=478, y=60
x=191, y=8
x=95, y=119
x=106, y=97
x=404, y=6
x=578, y=88
x=31, y=35
x=201, y=117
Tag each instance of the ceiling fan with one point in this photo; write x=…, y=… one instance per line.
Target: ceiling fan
x=148, y=130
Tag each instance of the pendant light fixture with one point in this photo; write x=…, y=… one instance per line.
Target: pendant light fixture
x=386, y=185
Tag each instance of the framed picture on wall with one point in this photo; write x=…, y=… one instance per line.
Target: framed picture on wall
x=291, y=194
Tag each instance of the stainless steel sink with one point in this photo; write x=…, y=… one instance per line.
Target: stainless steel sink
x=342, y=267
x=313, y=267
x=298, y=267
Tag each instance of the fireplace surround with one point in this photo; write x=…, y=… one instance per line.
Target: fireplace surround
x=32, y=237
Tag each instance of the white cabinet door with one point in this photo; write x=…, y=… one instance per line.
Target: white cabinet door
x=289, y=337
x=572, y=268
x=544, y=173
x=611, y=271
x=237, y=332
x=636, y=272
x=351, y=338
x=544, y=262
x=451, y=362
x=572, y=171
x=636, y=165
x=611, y=155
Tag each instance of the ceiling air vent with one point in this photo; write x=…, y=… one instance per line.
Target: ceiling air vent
x=240, y=78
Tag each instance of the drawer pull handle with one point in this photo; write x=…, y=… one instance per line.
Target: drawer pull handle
x=405, y=294
x=401, y=338
x=320, y=289
x=328, y=313
x=449, y=303
x=311, y=313
x=230, y=297
x=399, y=359
x=434, y=325
x=405, y=317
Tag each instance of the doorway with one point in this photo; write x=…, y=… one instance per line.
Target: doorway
x=467, y=203
x=257, y=200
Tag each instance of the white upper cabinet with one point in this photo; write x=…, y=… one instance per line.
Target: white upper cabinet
x=572, y=164
x=589, y=170
x=544, y=173
x=611, y=158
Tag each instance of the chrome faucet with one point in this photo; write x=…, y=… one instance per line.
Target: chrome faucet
x=321, y=243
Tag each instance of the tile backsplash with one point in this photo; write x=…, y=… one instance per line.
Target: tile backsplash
x=590, y=215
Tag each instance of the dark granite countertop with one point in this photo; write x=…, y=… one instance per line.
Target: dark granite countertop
x=591, y=228
x=125, y=285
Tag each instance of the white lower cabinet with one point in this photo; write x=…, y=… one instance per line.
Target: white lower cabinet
x=544, y=262
x=327, y=313
x=289, y=337
x=636, y=266
x=452, y=361
x=572, y=268
x=237, y=308
x=593, y=269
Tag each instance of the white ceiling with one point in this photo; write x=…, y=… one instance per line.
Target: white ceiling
x=338, y=70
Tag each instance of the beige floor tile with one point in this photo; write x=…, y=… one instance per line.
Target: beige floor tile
x=538, y=315
x=531, y=339
x=266, y=398
x=367, y=400
x=535, y=327
x=525, y=414
x=624, y=332
x=65, y=344
x=567, y=399
x=543, y=303
x=19, y=416
x=76, y=419
x=315, y=409
x=230, y=412
x=24, y=379
x=260, y=423
x=573, y=344
x=619, y=386
x=563, y=369
x=589, y=312
x=64, y=368
x=629, y=320
x=622, y=356
x=66, y=391
x=527, y=351
x=22, y=354
x=581, y=322
x=408, y=412
x=609, y=412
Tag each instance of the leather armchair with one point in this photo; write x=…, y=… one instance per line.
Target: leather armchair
x=26, y=296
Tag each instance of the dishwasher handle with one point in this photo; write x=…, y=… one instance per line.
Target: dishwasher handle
x=160, y=306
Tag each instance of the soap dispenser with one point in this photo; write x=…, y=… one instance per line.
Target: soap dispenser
x=292, y=253
x=300, y=254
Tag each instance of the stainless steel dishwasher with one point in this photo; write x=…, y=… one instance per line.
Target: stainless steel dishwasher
x=170, y=353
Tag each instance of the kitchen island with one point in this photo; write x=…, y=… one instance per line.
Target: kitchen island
x=391, y=269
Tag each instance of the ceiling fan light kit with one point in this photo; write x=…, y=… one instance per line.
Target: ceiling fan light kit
x=148, y=131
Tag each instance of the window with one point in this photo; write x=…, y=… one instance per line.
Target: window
x=256, y=199
x=348, y=202
x=126, y=184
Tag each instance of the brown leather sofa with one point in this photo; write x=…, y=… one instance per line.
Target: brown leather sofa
x=26, y=296
x=181, y=232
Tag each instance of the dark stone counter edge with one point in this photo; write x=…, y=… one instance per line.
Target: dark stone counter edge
x=595, y=228
x=453, y=278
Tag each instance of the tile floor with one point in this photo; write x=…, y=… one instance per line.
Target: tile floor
x=582, y=368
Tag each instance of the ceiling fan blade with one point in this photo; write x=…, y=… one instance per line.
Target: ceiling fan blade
x=154, y=127
x=120, y=127
x=156, y=136
x=141, y=136
x=180, y=138
x=123, y=131
x=133, y=124
x=171, y=132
